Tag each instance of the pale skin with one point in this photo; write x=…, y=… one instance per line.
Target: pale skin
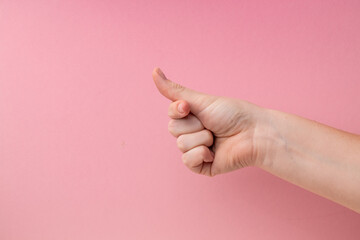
x=219, y=135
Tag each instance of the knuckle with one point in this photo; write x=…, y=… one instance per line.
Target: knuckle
x=171, y=126
x=203, y=151
x=198, y=124
x=209, y=137
x=177, y=86
x=185, y=160
x=171, y=112
x=208, y=133
x=180, y=143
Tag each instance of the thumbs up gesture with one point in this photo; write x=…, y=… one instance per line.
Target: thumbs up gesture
x=216, y=134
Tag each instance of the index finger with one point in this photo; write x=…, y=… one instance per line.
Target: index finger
x=179, y=109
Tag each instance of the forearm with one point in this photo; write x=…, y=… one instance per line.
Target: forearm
x=319, y=158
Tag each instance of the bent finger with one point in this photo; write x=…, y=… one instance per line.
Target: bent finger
x=179, y=109
x=188, y=124
x=188, y=141
x=199, y=160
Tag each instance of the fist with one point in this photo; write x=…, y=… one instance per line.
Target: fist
x=193, y=139
x=216, y=134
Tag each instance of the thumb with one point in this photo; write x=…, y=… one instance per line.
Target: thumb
x=174, y=91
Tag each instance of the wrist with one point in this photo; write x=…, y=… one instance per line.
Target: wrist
x=270, y=143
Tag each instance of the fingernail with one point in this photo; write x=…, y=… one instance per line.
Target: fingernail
x=181, y=108
x=161, y=73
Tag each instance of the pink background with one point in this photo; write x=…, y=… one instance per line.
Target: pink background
x=84, y=147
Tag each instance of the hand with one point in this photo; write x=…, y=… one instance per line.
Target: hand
x=215, y=134
x=218, y=135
